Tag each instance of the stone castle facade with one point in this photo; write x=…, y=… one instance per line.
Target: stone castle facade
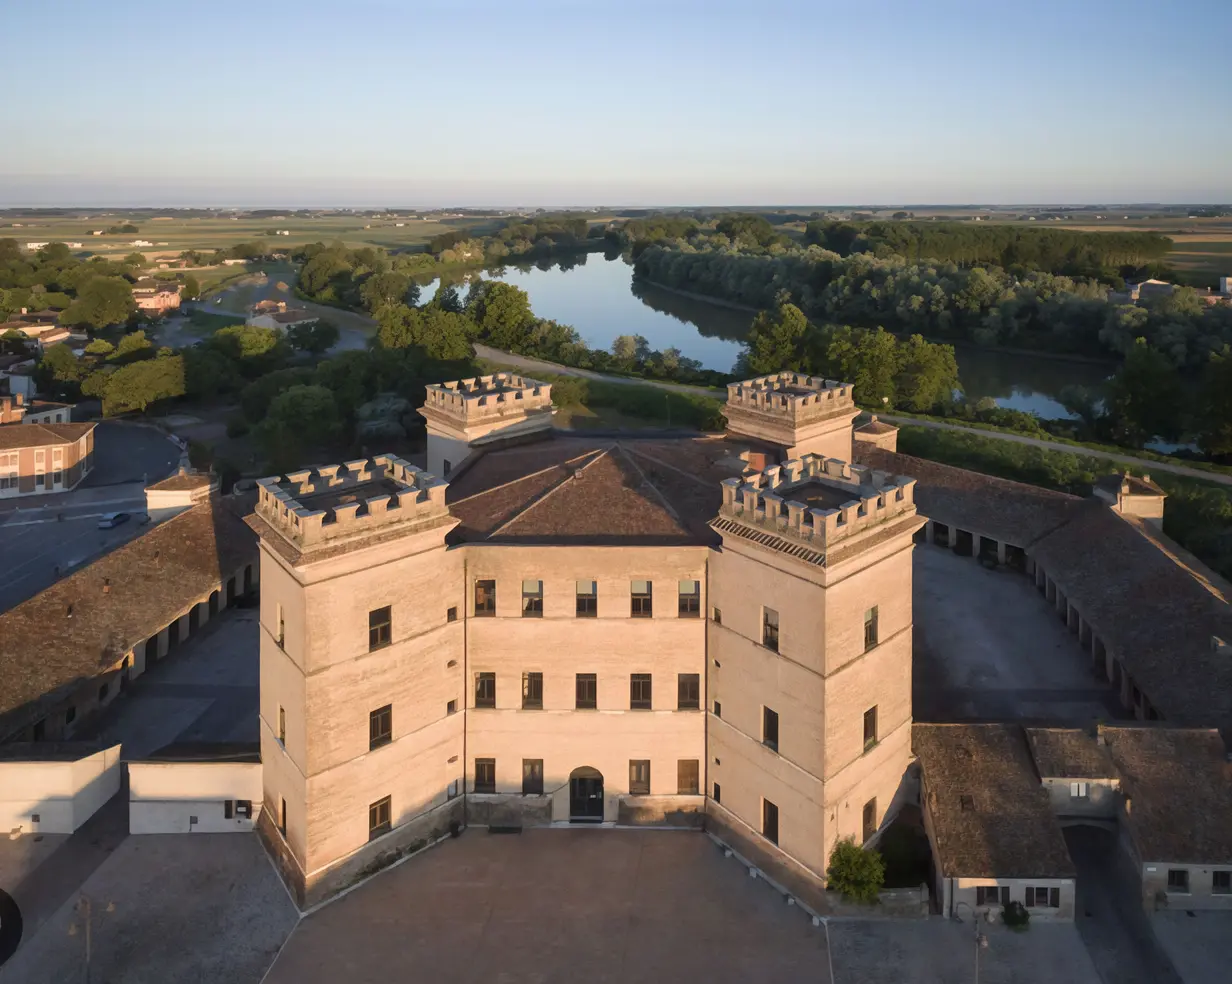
x=542, y=628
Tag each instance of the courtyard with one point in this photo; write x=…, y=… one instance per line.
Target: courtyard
x=988, y=647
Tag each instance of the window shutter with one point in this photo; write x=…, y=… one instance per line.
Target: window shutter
x=1005, y=895
x=1054, y=898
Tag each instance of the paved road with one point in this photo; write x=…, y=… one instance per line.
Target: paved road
x=126, y=451
x=1110, y=917
x=539, y=365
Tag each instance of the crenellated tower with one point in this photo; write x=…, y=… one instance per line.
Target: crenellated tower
x=798, y=413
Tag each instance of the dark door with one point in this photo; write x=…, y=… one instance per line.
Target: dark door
x=586, y=798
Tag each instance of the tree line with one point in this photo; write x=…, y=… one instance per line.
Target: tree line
x=1015, y=247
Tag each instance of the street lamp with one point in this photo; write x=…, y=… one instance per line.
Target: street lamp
x=980, y=940
x=83, y=909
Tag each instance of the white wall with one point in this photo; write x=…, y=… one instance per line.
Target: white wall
x=62, y=794
x=165, y=796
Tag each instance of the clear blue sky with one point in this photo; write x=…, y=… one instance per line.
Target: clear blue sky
x=421, y=102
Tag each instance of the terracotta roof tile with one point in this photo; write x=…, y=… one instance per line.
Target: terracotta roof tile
x=1069, y=753
x=991, y=815
x=13, y=436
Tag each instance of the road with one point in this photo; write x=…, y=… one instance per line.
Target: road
x=526, y=364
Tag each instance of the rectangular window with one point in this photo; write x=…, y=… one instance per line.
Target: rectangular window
x=485, y=598
x=485, y=775
x=639, y=777
x=282, y=816
x=642, y=606
x=718, y=793
x=282, y=726
x=770, y=629
x=446, y=467
x=451, y=707
x=532, y=599
x=688, y=691
x=1221, y=882
x=379, y=628
x=587, y=599
x=769, y=821
x=770, y=728
x=532, y=691
x=1178, y=880
x=380, y=819
x=380, y=726
x=868, y=820
x=1079, y=790
x=870, y=628
x=228, y=809
x=718, y=709
x=1042, y=898
x=587, y=692
x=485, y=689
x=718, y=616
x=451, y=614
x=992, y=895
x=282, y=625
x=690, y=599
x=687, y=777
x=532, y=777
x=870, y=727
x=639, y=691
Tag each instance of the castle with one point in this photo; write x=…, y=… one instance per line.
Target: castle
x=549, y=628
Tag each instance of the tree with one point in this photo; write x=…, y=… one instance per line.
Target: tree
x=442, y=335
x=447, y=299
x=387, y=288
x=132, y=347
x=135, y=260
x=254, y=349
x=1215, y=406
x=870, y=360
x=192, y=287
x=776, y=339
x=503, y=314
x=630, y=351
x=929, y=376
x=314, y=337
x=59, y=372
x=299, y=418
x=137, y=385
x=855, y=872
x=14, y=342
x=100, y=346
x=101, y=301
x=1145, y=397
x=207, y=372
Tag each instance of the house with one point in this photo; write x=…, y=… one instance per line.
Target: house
x=1077, y=772
x=282, y=320
x=990, y=823
x=40, y=458
x=157, y=296
x=234, y=262
x=1177, y=785
x=16, y=409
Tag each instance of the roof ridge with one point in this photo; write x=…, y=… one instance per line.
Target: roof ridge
x=696, y=478
x=628, y=456
x=598, y=454
x=523, y=478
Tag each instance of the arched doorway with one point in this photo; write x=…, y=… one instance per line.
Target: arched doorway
x=585, y=795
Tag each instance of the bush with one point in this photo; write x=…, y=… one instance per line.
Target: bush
x=1015, y=915
x=856, y=873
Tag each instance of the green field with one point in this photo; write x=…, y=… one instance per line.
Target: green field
x=172, y=234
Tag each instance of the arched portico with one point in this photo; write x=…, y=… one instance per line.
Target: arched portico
x=585, y=795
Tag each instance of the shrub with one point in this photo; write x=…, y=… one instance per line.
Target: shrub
x=856, y=873
x=1015, y=915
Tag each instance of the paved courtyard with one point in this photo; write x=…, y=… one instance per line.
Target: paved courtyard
x=167, y=909
x=628, y=906
x=1199, y=944
x=988, y=647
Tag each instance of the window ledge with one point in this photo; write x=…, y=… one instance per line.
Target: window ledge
x=870, y=746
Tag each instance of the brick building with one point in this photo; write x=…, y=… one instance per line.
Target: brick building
x=576, y=629
x=37, y=458
x=156, y=296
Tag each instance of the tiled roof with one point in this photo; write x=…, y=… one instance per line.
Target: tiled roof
x=182, y=481
x=84, y=624
x=1153, y=612
x=1012, y=512
x=991, y=816
x=1069, y=753
x=876, y=427
x=1138, y=484
x=1179, y=785
x=596, y=490
x=14, y=436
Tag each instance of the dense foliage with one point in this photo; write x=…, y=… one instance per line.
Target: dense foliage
x=987, y=305
x=856, y=873
x=96, y=292
x=1026, y=247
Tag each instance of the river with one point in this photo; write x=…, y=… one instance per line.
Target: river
x=599, y=298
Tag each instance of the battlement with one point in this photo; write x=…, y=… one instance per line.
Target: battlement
x=323, y=504
x=478, y=399
x=791, y=395
x=817, y=501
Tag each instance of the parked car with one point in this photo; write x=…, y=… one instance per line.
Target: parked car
x=111, y=520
